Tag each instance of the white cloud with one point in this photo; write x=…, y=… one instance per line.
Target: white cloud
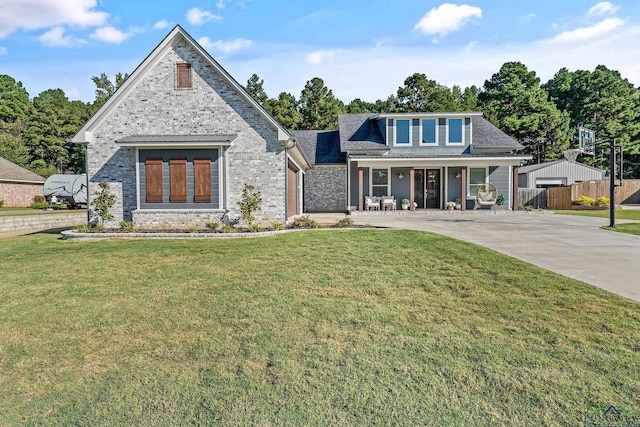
x=3, y=50
x=602, y=8
x=446, y=18
x=588, y=33
x=528, y=17
x=220, y=4
x=198, y=16
x=320, y=56
x=36, y=14
x=225, y=47
x=161, y=25
x=56, y=37
x=110, y=34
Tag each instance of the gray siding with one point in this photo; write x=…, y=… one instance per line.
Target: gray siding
x=573, y=172
x=439, y=149
x=154, y=107
x=453, y=183
x=499, y=176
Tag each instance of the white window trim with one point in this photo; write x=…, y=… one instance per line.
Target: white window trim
x=447, y=131
x=371, y=180
x=395, y=133
x=486, y=178
x=429, y=144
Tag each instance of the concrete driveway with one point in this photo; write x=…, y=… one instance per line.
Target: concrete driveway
x=573, y=246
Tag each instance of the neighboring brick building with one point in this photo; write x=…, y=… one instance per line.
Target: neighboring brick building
x=180, y=138
x=18, y=185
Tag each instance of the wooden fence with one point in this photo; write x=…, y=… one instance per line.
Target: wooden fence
x=561, y=197
x=536, y=197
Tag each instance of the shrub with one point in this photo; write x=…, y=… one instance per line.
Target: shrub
x=277, y=225
x=1, y=203
x=103, y=202
x=585, y=201
x=213, y=225
x=603, y=201
x=127, y=226
x=98, y=228
x=228, y=229
x=82, y=228
x=38, y=202
x=192, y=229
x=304, y=222
x=500, y=199
x=250, y=202
x=344, y=222
x=255, y=228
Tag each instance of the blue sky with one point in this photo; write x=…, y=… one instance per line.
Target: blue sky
x=361, y=49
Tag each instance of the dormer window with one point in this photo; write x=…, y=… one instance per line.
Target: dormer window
x=403, y=132
x=429, y=132
x=183, y=76
x=455, y=131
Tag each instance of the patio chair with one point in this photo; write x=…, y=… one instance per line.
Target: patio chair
x=388, y=203
x=485, y=196
x=371, y=202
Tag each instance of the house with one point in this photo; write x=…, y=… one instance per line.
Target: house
x=429, y=158
x=559, y=172
x=180, y=138
x=18, y=185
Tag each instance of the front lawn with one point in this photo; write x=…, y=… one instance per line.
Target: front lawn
x=628, y=227
x=332, y=327
x=631, y=214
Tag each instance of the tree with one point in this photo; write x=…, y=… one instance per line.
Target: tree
x=466, y=100
x=105, y=88
x=284, y=110
x=318, y=107
x=103, y=202
x=15, y=106
x=54, y=120
x=250, y=203
x=514, y=101
x=255, y=89
x=12, y=149
x=358, y=106
x=604, y=102
x=421, y=94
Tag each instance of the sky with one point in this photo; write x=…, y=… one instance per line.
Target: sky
x=361, y=49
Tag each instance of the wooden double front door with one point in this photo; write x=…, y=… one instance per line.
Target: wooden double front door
x=426, y=188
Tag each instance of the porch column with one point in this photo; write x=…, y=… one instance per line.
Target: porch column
x=463, y=188
x=411, y=189
x=360, y=189
x=515, y=188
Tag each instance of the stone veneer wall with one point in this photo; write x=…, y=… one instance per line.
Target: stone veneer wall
x=19, y=195
x=325, y=189
x=42, y=221
x=211, y=106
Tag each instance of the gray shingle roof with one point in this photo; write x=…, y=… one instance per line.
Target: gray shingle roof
x=537, y=166
x=320, y=146
x=486, y=135
x=465, y=155
x=11, y=172
x=358, y=132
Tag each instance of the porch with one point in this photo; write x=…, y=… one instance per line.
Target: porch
x=430, y=187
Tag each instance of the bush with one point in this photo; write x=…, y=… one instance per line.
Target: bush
x=304, y=222
x=585, y=201
x=250, y=202
x=1, y=203
x=192, y=229
x=344, y=222
x=255, y=228
x=127, y=226
x=98, y=228
x=212, y=225
x=228, y=229
x=82, y=228
x=103, y=202
x=276, y=225
x=603, y=202
x=39, y=202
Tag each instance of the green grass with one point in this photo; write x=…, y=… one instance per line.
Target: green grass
x=631, y=214
x=349, y=327
x=629, y=228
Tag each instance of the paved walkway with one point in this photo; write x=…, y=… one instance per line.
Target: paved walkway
x=573, y=246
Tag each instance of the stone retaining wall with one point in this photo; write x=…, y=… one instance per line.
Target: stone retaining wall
x=41, y=222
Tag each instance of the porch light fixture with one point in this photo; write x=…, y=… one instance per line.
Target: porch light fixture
x=458, y=175
x=400, y=175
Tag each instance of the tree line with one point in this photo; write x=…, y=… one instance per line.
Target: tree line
x=543, y=117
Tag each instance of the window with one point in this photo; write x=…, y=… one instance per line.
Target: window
x=429, y=131
x=183, y=76
x=379, y=182
x=403, y=132
x=455, y=131
x=477, y=177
